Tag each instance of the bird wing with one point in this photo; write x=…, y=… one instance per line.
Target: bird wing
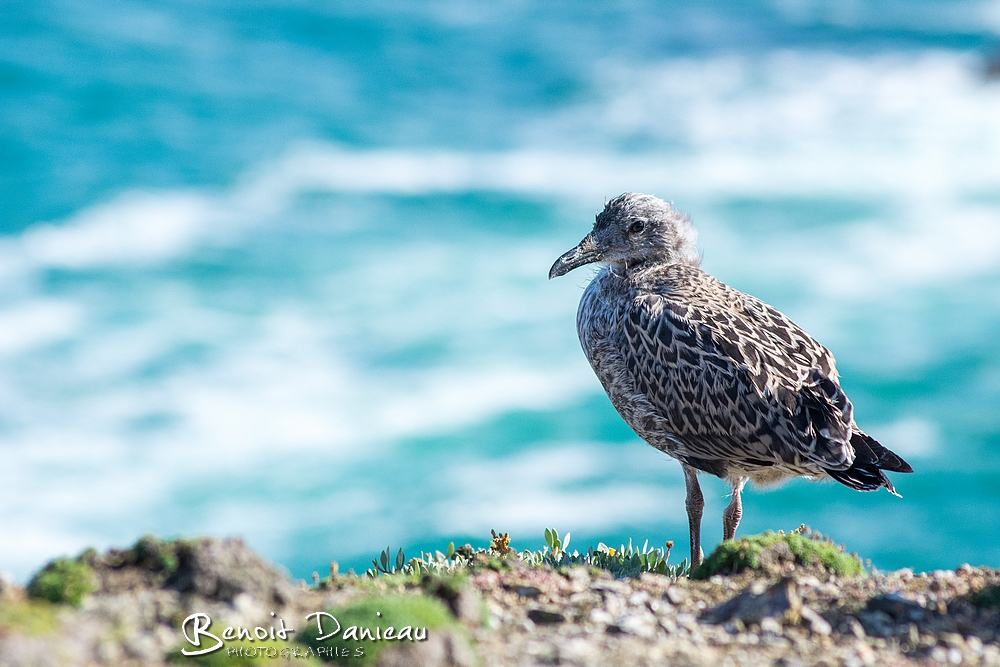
x=735, y=380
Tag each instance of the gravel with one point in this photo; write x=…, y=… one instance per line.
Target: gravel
x=513, y=614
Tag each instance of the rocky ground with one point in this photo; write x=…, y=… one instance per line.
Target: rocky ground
x=496, y=609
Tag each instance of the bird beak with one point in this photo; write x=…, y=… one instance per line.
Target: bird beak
x=585, y=253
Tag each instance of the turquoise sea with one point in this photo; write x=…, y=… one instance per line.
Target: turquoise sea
x=278, y=269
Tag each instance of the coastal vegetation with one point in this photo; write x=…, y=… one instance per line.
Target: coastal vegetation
x=795, y=596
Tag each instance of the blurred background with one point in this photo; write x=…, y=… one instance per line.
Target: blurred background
x=278, y=269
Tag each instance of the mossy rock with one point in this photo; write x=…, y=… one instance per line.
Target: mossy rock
x=445, y=587
x=382, y=612
x=147, y=564
x=62, y=581
x=150, y=554
x=986, y=598
x=155, y=554
x=772, y=551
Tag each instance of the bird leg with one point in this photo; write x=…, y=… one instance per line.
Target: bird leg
x=694, y=503
x=734, y=511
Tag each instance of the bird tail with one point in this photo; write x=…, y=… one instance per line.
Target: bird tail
x=870, y=460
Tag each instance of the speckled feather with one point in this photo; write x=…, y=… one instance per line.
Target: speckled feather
x=719, y=379
x=714, y=377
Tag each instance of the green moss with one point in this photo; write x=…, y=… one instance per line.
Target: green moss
x=150, y=553
x=62, y=581
x=986, y=598
x=733, y=556
x=397, y=611
x=30, y=618
x=156, y=554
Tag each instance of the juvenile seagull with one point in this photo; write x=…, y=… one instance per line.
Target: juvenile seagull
x=713, y=377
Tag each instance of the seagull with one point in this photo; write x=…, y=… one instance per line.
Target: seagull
x=713, y=377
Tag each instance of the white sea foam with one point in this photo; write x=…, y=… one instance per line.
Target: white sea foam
x=135, y=228
x=450, y=398
x=919, y=134
x=284, y=389
x=542, y=487
x=920, y=131
x=36, y=323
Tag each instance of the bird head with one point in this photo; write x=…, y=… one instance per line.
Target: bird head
x=633, y=231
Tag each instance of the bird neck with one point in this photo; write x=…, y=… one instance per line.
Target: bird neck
x=638, y=266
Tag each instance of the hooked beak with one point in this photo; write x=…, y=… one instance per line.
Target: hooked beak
x=584, y=253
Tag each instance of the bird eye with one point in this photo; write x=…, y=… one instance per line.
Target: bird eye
x=637, y=227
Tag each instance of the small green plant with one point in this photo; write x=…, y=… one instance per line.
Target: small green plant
x=385, y=565
x=62, y=581
x=413, y=615
x=441, y=563
x=753, y=552
x=623, y=562
x=553, y=542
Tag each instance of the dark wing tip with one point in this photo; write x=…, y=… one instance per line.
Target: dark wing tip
x=872, y=451
x=864, y=478
x=870, y=460
x=903, y=466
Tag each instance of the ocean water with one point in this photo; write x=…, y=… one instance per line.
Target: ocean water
x=279, y=270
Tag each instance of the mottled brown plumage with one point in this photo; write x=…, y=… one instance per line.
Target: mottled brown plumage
x=717, y=379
